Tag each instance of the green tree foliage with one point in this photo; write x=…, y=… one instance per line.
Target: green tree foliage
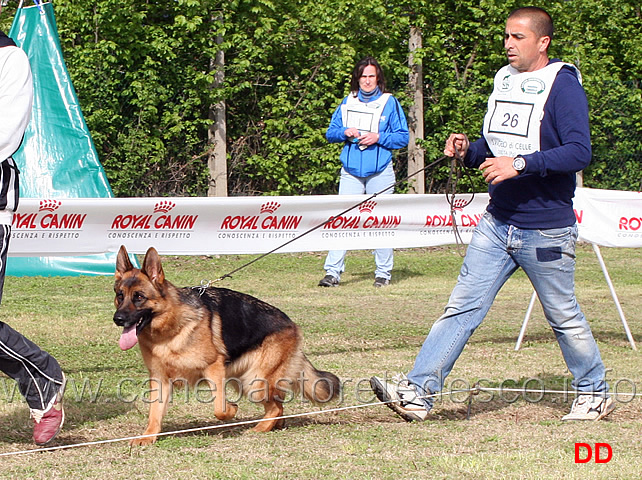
x=463, y=47
x=143, y=73
x=288, y=65
x=603, y=39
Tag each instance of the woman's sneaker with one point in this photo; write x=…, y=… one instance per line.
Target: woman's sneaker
x=401, y=397
x=329, y=281
x=381, y=282
x=590, y=407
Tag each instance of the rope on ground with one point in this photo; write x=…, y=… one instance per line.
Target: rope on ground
x=471, y=391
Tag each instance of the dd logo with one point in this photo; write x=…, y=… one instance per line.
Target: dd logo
x=584, y=453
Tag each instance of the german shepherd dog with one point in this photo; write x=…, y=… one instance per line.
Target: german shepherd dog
x=193, y=335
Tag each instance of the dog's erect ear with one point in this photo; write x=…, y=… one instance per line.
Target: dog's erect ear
x=123, y=264
x=152, y=267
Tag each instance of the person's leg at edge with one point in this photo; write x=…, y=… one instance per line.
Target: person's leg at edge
x=548, y=258
x=38, y=375
x=384, y=182
x=487, y=266
x=335, y=260
x=335, y=263
x=384, y=260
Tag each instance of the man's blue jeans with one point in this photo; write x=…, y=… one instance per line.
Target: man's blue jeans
x=496, y=251
x=351, y=185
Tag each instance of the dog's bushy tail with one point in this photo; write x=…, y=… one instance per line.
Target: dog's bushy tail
x=318, y=386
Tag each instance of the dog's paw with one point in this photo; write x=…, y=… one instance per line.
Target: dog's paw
x=229, y=412
x=268, y=425
x=141, y=442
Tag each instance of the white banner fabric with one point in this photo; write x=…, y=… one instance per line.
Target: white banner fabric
x=609, y=218
x=238, y=225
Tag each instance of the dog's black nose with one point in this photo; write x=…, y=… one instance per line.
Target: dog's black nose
x=120, y=319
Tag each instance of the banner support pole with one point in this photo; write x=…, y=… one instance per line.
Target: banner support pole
x=596, y=249
x=529, y=310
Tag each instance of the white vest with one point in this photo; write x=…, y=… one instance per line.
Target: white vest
x=365, y=117
x=516, y=109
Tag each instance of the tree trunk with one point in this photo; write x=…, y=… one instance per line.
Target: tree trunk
x=417, y=183
x=216, y=135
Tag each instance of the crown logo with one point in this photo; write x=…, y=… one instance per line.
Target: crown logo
x=163, y=206
x=49, y=205
x=460, y=203
x=270, y=207
x=367, y=207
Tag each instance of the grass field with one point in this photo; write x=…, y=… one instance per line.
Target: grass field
x=355, y=331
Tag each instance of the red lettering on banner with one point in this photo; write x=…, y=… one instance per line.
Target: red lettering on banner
x=49, y=221
x=179, y=222
x=632, y=223
x=447, y=220
x=579, y=215
x=468, y=221
x=24, y=220
x=271, y=222
x=438, y=221
x=226, y=222
x=249, y=223
x=241, y=222
x=342, y=222
x=131, y=222
x=67, y=221
x=288, y=222
x=188, y=221
x=391, y=221
x=142, y=222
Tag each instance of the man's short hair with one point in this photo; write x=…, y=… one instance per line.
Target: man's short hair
x=541, y=21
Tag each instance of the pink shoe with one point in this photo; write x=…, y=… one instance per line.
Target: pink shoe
x=48, y=424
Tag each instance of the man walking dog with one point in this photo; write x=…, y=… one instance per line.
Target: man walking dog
x=535, y=138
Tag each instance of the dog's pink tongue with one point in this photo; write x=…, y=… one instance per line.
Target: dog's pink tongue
x=128, y=339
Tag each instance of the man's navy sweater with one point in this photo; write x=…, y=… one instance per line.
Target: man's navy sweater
x=542, y=195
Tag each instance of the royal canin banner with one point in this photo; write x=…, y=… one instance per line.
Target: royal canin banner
x=237, y=225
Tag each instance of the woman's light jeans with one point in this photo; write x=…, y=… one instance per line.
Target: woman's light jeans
x=351, y=185
x=496, y=251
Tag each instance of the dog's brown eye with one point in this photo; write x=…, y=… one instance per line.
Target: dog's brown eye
x=139, y=297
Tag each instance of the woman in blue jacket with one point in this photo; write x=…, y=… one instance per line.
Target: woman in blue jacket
x=370, y=123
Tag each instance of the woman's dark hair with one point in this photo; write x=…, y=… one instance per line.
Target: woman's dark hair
x=358, y=71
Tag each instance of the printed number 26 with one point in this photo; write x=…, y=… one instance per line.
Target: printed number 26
x=510, y=120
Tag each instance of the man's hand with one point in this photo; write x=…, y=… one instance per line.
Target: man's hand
x=497, y=169
x=457, y=144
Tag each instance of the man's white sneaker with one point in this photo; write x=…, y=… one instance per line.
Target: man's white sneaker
x=590, y=407
x=401, y=397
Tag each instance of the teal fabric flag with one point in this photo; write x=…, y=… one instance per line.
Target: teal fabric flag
x=57, y=158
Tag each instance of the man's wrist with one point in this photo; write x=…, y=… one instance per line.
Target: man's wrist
x=519, y=164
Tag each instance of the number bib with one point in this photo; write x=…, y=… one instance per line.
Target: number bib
x=516, y=109
x=365, y=117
